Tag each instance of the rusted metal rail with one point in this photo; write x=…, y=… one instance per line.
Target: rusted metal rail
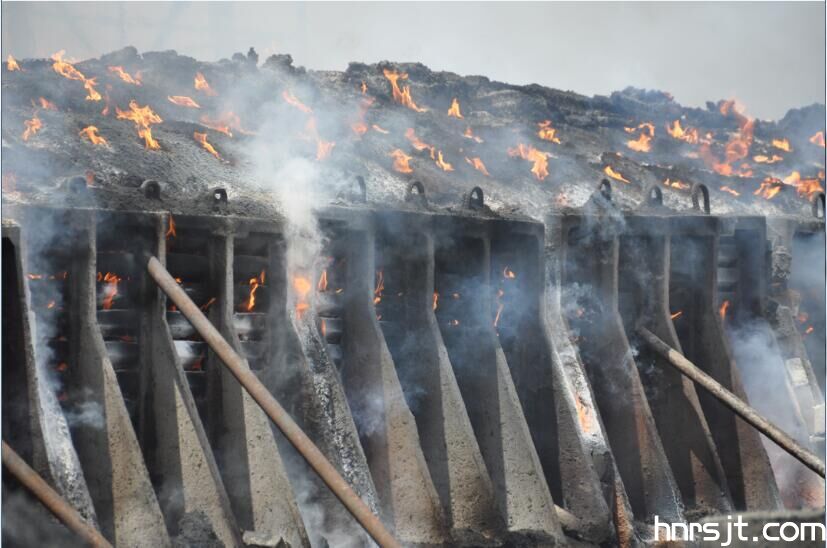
x=50, y=498
x=235, y=363
x=742, y=409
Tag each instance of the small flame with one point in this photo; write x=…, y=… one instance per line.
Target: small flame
x=782, y=144
x=302, y=287
x=416, y=142
x=12, y=65
x=202, y=85
x=442, y=164
x=254, y=283
x=183, y=101
x=403, y=95
x=360, y=127
x=508, y=274
x=809, y=330
x=32, y=127
x=470, y=135
x=546, y=132
x=762, y=159
x=380, y=286
x=436, y=300
x=67, y=70
x=111, y=289
x=291, y=99
x=677, y=314
x=380, y=129
x=477, y=164
x=805, y=187
x=364, y=88
x=202, y=139
x=400, y=161
x=680, y=185
x=322, y=285
x=143, y=117
x=769, y=188
x=608, y=170
x=738, y=145
x=225, y=123
x=723, y=310
x=125, y=76
x=171, y=230
x=45, y=104
x=539, y=158
x=91, y=133
x=689, y=135
x=818, y=139
x=454, y=111
x=207, y=304
x=730, y=191
x=644, y=141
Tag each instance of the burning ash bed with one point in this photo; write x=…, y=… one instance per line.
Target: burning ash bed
x=448, y=283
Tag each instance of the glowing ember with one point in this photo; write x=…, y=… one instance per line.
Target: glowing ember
x=723, y=310
x=202, y=85
x=818, y=139
x=508, y=274
x=769, y=188
x=454, y=111
x=762, y=159
x=546, y=132
x=45, y=104
x=380, y=129
x=171, y=230
x=183, y=101
x=110, y=291
x=291, y=100
x=403, y=95
x=32, y=127
x=477, y=164
x=67, y=70
x=677, y=314
x=202, y=139
x=226, y=123
x=91, y=133
x=470, y=135
x=380, y=286
x=782, y=144
x=125, y=76
x=730, y=191
x=436, y=300
x=689, y=135
x=442, y=164
x=676, y=184
x=254, y=283
x=644, y=141
x=608, y=170
x=539, y=158
x=12, y=65
x=143, y=117
x=400, y=161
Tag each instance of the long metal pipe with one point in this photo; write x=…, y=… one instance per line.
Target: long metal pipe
x=741, y=408
x=235, y=363
x=50, y=498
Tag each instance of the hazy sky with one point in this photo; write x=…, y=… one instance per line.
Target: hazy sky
x=771, y=56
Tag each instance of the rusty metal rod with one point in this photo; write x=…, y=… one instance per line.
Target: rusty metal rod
x=737, y=405
x=235, y=363
x=51, y=499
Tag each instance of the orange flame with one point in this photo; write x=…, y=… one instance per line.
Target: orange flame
x=45, y=104
x=769, y=188
x=677, y=314
x=359, y=127
x=91, y=133
x=143, y=117
x=608, y=170
x=416, y=142
x=442, y=164
x=730, y=191
x=818, y=139
x=436, y=300
x=400, y=161
x=508, y=274
x=676, y=184
x=111, y=289
x=478, y=165
x=32, y=127
x=225, y=123
x=171, y=230
x=805, y=187
x=380, y=286
x=67, y=70
x=644, y=141
x=302, y=287
x=454, y=111
x=782, y=144
x=546, y=132
x=470, y=135
x=254, y=283
x=207, y=304
x=12, y=65
x=202, y=139
x=202, y=85
x=322, y=285
x=738, y=145
x=539, y=158
x=401, y=96
x=183, y=101
x=364, y=88
x=291, y=100
x=689, y=135
x=723, y=310
x=762, y=159
x=125, y=76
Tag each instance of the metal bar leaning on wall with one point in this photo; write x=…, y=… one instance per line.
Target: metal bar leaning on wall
x=738, y=406
x=304, y=445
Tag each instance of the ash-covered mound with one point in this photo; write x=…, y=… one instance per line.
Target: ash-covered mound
x=245, y=126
